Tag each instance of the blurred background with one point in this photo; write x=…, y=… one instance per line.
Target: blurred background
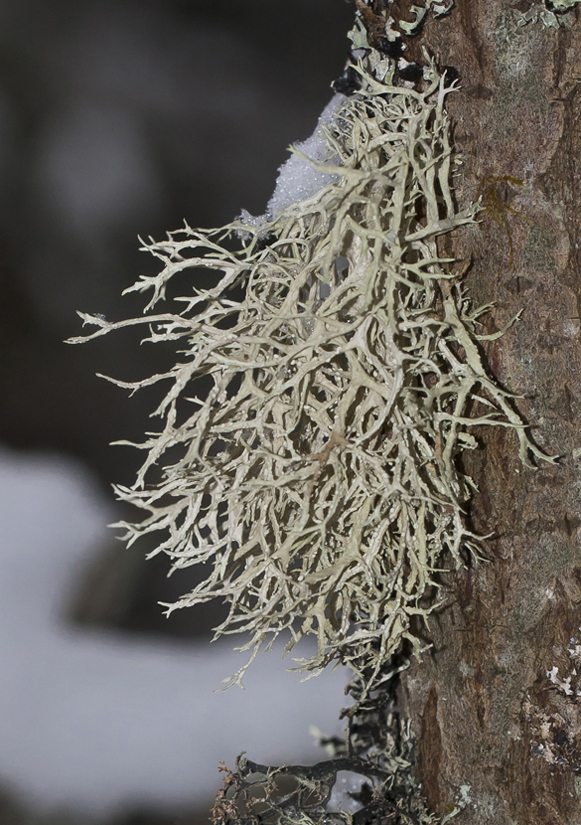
x=119, y=118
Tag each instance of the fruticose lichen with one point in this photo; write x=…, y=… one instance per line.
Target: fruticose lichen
x=318, y=479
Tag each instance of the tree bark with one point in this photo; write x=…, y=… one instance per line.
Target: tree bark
x=494, y=732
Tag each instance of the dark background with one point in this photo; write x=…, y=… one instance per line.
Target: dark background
x=116, y=119
x=122, y=118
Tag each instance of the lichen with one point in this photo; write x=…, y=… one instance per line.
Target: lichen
x=437, y=7
x=553, y=713
x=551, y=14
x=376, y=758
x=318, y=479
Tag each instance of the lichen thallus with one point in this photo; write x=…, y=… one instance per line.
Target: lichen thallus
x=319, y=478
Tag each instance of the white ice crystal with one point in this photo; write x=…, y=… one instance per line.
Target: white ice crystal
x=298, y=178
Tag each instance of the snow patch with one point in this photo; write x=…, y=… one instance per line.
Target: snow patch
x=95, y=722
x=297, y=178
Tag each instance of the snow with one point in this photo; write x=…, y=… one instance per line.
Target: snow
x=297, y=178
x=99, y=721
x=347, y=783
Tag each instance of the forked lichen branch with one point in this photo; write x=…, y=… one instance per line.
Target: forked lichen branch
x=318, y=478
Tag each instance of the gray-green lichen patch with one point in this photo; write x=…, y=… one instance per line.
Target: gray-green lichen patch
x=318, y=479
x=436, y=7
x=552, y=16
x=515, y=55
x=512, y=53
x=539, y=252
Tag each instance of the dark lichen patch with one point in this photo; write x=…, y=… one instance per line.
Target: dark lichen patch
x=368, y=778
x=551, y=13
x=552, y=707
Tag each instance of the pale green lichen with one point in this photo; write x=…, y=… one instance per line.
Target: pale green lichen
x=318, y=478
x=437, y=7
x=368, y=776
x=358, y=35
x=540, y=11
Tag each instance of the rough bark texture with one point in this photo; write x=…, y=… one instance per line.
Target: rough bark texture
x=486, y=715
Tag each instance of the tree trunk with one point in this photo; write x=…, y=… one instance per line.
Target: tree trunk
x=499, y=729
